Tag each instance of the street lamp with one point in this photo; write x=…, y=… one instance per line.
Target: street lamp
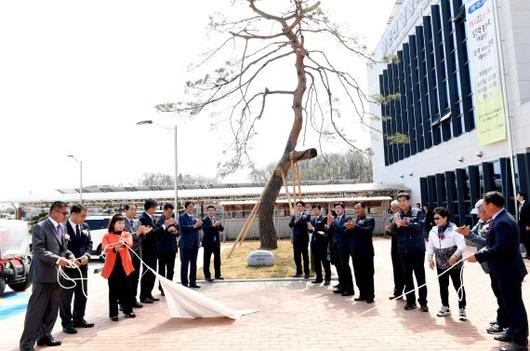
x=80, y=177
x=175, y=181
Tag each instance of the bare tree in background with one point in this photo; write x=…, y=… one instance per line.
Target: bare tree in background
x=265, y=39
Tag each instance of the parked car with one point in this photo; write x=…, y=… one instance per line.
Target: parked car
x=98, y=226
x=15, y=257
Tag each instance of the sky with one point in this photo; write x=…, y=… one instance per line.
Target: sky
x=76, y=76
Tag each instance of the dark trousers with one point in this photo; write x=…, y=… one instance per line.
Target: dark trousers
x=188, y=260
x=300, y=251
x=166, y=265
x=41, y=314
x=207, y=254
x=413, y=263
x=502, y=318
x=335, y=260
x=443, y=281
x=525, y=239
x=346, y=271
x=397, y=270
x=77, y=294
x=513, y=302
x=134, y=277
x=148, y=278
x=363, y=269
x=119, y=290
x=319, y=252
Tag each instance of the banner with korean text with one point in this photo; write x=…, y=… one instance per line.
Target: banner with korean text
x=482, y=45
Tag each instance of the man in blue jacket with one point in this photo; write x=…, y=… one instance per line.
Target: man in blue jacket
x=362, y=252
x=408, y=226
x=507, y=268
x=299, y=222
x=189, y=226
x=211, y=243
x=167, y=245
x=319, y=246
x=337, y=228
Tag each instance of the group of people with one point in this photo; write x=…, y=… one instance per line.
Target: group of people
x=338, y=237
x=63, y=242
x=335, y=238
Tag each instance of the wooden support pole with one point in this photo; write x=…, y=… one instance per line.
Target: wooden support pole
x=246, y=226
x=299, y=180
x=287, y=193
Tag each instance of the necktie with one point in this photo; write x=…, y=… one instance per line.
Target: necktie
x=59, y=233
x=131, y=222
x=77, y=231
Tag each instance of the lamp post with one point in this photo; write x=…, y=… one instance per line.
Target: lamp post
x=80, y=163
x=175, y=180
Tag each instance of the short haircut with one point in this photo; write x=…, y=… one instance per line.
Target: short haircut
x=77, y=208
x=126, y=207
x=479, y=204
x=341, y=204
x=150, y=203
x=522, y=194
x=57, y=205
x=442, y=211
x=300, y=202
x=394, y=203
x=187, y=203
x=168, y=206
x=363, y=205
x=494, y=197
x=113, y=220
x=403, y=194
x=211, y=206
x=316, y=206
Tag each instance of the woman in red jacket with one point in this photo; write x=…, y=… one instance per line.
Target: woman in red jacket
x=118, y=265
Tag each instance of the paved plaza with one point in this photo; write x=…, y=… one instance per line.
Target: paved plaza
x=293, y=315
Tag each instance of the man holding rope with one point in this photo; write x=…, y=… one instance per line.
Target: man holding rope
x=49, y=252
x=507, y=268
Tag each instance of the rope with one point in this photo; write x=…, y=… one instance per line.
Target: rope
x=460, y=297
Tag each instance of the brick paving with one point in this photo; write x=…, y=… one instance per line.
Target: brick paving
x=293, y=315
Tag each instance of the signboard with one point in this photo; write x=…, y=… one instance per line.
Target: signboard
x=482, y=47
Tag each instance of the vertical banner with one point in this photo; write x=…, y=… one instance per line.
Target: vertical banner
x=482, y=47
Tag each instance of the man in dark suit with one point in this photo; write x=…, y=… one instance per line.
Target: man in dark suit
x=189, y=226
x=49, y=252
x=507, y=268
x=80, y=244
x=524, y=221
x=167, y=245
x=362, y=252
x=319, y=246
x=408, y=226
x=133, y=226
x=338, y=231
x=397, y=269
x=298, y=223
x=149, y=243
x=211, y=243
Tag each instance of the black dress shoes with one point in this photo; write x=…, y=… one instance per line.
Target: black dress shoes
x=306, y=276
x=147, y=300
x=338, y=286
x=48, y=341
x=370, y=300
x=83, y=324
x=347, y=293
x=409, y=306
x=69, y=330
x=514, y=347
x=395, y=297
x=219, y=278
x=359, y=299
x=114, y=319
x=338, y=291
x=503, y=337
x=316, y=281
x=195, y=286
x=152, y=298
x=209, y=280
x=136, y=304
x=326, y=282
x=130, y=315
x=297, y=275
